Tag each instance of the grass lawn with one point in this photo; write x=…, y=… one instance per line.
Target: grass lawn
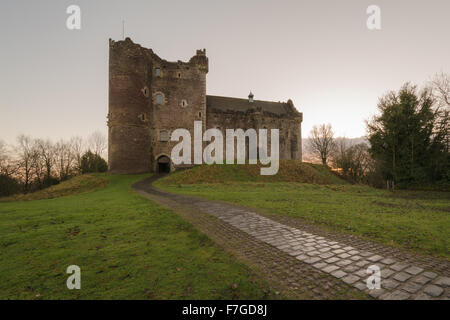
x=416, y=220
x=126, y=246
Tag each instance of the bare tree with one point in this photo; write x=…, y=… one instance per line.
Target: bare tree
x=360, y=156
x=321, y=141
x=77, y=151
x=440, y=86
x=3, y=157
x=25, y=155
x=7, y=165
x=46, y=151
x=441, y=89
x=339, y=154
x=37, y=164
x=354, y=161
x=64, y=157
x=97, y=143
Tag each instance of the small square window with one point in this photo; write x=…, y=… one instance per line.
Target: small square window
x=163, y=135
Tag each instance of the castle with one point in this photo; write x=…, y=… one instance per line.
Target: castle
x=150, y=97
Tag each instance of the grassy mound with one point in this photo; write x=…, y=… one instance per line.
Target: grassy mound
x=290, y=171
x=76, y=185
x=126, y=246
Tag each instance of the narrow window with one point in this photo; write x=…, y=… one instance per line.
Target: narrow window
x=143, y=116
x=184, y=103
x=158, y=72
x=294, y=147
x=145, y=91
x=159, y=98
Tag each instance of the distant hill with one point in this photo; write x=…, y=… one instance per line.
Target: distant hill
x=353, y=141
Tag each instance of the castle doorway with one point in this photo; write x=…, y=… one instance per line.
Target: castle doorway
x=163, y=164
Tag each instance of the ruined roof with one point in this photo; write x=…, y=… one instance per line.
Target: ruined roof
x=228, y=104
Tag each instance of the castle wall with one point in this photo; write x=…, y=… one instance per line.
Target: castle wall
x=138, y=123
x=289, y=126
x=129, y=150
x=150, y=97
x=183, y=86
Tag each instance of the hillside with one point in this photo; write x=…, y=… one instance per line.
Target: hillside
x=290, y=171
x=76, y=185
x=126, y=246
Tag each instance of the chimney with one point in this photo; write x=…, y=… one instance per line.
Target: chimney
x=250, y=97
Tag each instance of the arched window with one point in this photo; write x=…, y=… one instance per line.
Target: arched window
x=159, y=98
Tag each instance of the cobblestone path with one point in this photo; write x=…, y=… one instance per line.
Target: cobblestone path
x=315, y=267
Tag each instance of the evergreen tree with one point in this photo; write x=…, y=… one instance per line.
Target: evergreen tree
x=91, y=162
x=403, y=137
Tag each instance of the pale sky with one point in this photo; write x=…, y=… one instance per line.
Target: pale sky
x=320, y=54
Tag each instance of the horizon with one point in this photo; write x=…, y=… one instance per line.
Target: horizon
x=321, y=55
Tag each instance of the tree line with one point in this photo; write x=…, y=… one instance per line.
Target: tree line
x=407, y=142
x=33, y=164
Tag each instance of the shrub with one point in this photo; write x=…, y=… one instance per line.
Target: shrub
x=91, y=162
x=8, y=185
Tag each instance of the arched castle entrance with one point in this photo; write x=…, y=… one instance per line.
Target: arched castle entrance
x=163, y=164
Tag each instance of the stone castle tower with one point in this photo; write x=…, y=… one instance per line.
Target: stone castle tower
x=150, y=97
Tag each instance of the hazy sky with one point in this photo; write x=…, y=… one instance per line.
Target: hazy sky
x=54, y=82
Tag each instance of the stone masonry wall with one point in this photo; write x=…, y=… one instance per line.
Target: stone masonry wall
x=140, y=127
x=136, y=122
x=129, y=150
x=184, y=88
x=289, y=126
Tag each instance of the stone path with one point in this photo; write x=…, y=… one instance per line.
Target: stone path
x=399, y=280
